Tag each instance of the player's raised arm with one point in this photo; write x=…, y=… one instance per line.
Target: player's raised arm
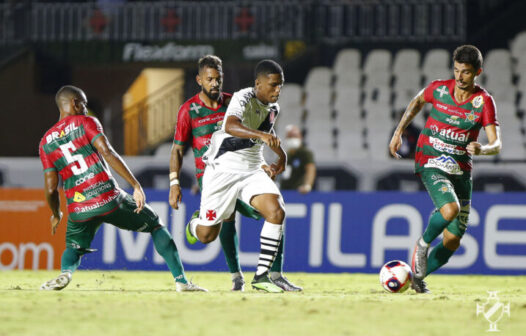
x=176, y=162
x=414, y=107
x=117, y=163
x=233, y=126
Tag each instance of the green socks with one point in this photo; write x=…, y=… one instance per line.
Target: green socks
x=436, y=225
x=438, y=257
x=277, y=265
x=165, y=245
x=70, y=260
x=230, y=245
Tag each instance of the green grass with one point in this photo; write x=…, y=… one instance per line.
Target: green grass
x=145, y=303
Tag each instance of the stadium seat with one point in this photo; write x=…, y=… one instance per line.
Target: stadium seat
x=318, y=77
x=320, y=97
x=436, y=65
x=164, y=150
x=347, y=98
x=518, y=45
x=347, y=60
x=406, y=69
x=291, y=95
x=377, y=60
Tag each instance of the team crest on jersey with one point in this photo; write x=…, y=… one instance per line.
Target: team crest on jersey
x=477, y=101
x=211, y=215
x=471, y=116
x=195, y=107
x=78, y=197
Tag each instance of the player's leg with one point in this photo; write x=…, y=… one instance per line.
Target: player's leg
x=454, y=232
x=79, y=236
x=442, y=192
x=230, y=244
x=218, y=201
x=276, y=270
x=147, y=220
x=271, y=208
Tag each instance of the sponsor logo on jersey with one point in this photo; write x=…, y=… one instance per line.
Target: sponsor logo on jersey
x=56, y=135
x=84, y=179
x=441, y=146
x=449, y=134
x=471, y=116
x=453, y=120
x=78, y=197
x=96, y=205
x=477, y=102
x=446, y=164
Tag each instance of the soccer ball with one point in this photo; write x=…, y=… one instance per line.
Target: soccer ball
x=396, y=276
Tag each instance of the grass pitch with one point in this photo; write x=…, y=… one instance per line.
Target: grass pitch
x=145, y=303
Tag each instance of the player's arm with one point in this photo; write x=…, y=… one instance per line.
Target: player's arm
x=279, y=166
x=117, y=163
x=234, y=127
x=493, y=146
x=52, y=198
x=414, y=107
x=176, y=162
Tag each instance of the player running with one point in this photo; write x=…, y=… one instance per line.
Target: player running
x=197, y=119
x=77, y=149
x=235, y=169
x=444, y=153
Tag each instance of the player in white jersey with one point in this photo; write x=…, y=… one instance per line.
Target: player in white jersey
x=235, y=169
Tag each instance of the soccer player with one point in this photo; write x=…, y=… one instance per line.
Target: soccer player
x=444, y=153
x=77, y=149
x=235, y=169
x=197, y=119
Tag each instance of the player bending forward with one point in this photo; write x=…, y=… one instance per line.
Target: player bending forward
x=235, y=169
x=444, y=154
x=77, y=149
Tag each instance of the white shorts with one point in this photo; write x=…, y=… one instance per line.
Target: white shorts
x=221, y=190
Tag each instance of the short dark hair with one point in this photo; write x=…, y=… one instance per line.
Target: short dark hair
x=268, y=67
x=468, y=54
x=210, y=61
x=67, y=92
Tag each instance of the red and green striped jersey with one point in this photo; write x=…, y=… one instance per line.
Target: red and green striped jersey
x=451, y=126
x=196, y=122
x=67, y=148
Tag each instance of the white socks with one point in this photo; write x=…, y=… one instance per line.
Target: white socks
x=270, y=239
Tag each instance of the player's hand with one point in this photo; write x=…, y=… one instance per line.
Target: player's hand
x=394, y=146
x=269, y=171
x=271, y=140
x=140, y=199
x=474, y=148
x=278, y=167
x=175, y=196
x=55, y=221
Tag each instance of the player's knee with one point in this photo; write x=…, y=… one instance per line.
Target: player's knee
x=276, y=214
x=452, y=243
x=450, y=211
x=207, y=238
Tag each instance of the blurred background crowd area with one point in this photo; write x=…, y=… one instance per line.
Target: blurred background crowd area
x=351, y=67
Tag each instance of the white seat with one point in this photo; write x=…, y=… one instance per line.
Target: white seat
x=377, y=79
x=351, y=146
x=346, y=60
x=378, y=60
x=163, y=150
x=319, y=97
x=406, y=60
x=347, y=98
x=318, y=77
x=518, y=45
x=408, y=80
x=378, y=95
x=291, y=95
x=436, y=65
x=349, y=79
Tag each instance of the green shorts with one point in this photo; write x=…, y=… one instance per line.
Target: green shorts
x=79, y=235
x=243, y=208
x=445, y=188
